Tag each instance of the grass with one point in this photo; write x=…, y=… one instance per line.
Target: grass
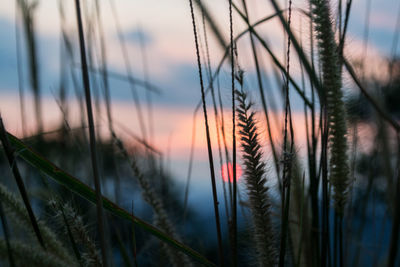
x=255, y=176
x=311, y=202
x=92, y=135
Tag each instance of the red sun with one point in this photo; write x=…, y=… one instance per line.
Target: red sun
x=227, y=172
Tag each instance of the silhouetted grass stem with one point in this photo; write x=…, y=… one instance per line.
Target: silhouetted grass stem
x=93, y=150
x=210, y=156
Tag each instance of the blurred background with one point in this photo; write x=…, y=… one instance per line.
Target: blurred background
x=145, y=87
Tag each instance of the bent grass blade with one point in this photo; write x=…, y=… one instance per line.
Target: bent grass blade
x=76, y=186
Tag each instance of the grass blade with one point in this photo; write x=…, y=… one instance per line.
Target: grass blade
x=93, y=152
x=21, y=187
x=74, y=185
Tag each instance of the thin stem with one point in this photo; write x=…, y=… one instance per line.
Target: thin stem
x=20, y=72
x=346, y=22
x=210, y=156
x=325, y=200
x=10, y=153
x=234, y=191
x=287, y=156
x=93, y=150
x=227, y=158
x=211, y=85
x=262, y=96
x=394, y=240
x=128, y=68
x=264, y=44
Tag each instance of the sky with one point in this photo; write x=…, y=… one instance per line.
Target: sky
x=166, y=30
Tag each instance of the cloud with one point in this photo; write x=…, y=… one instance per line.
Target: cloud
x=138, y=35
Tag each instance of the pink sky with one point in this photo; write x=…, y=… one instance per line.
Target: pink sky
x=172, y=125
x=168, y=23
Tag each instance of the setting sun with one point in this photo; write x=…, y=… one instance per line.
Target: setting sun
x=228, y=175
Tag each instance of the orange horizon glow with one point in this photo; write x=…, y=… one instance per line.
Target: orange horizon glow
x=173, y=125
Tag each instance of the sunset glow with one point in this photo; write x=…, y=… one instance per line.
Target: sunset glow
x=227, y=172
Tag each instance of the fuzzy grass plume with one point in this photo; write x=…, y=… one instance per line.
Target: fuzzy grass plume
x=28, y=255
x=18, y=214
x=254, y=174
x=332, y=83
x=161, y=218
x=67, y=218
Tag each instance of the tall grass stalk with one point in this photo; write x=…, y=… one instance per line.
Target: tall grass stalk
x=107, y=96
x=337, y=132
x=27, y=11
x=104, y=70
x=93, y=149
x=255, y=179
x=313, y=209
x=264, y=45
x=300, y=52
x=312, y=160
x=69, y=220
x=393, y=50
x=69, y=49
x=210, y=156
x=128, y=69
x=394, y=239
x=161, y=217
x=19, y=68
x=334, y=103
x=345, y=25
x=262, y=96
x=301, y=212
x=10, y=154
x=325, y=252
x=275, y=60
x=287, y=153
x=300, y=209
x=234, y=191
x=71, y=238
x=218, y=123
x=211, y=21
x=206, y=59
x=226, y=152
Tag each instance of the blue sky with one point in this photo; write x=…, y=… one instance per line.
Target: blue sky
x=171, y=59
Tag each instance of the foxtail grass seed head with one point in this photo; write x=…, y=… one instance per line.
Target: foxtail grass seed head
x=255, y=178
x=332, y=84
